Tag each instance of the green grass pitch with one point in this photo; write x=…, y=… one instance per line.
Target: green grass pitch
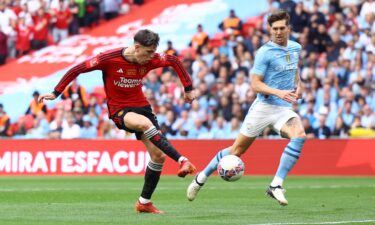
x=110, y=200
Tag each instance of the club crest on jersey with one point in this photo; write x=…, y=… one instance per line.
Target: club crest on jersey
x=142, y=70
x=287, y=58
x=93, y=62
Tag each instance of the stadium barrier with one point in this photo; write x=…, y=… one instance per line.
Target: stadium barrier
x=129, y=157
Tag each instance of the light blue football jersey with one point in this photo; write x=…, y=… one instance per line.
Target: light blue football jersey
x=278, y=66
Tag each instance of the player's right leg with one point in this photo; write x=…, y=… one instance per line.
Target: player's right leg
x=290, y=126
x=239, y=147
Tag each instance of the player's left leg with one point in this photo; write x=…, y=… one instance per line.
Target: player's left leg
x=151, y=180
x=293, y=130
x=254, y=123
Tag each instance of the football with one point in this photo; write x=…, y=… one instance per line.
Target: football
x=230, y=168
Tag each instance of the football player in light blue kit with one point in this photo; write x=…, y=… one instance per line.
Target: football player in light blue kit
x=275, y=78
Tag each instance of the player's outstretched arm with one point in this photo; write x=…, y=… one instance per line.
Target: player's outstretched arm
x=170, y=60
x=49, y=96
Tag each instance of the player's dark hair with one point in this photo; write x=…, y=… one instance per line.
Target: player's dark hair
x=146, y=38
x=279, y=15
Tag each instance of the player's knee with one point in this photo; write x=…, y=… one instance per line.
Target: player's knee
x=300, y=134
x=158, y=157
x=145, y=124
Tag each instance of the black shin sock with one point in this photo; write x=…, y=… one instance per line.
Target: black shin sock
x=152, y=177
x=161, y=142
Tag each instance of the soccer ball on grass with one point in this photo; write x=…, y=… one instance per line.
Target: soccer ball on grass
x=230, y=168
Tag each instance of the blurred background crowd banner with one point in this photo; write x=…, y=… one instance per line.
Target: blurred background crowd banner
x=216, y=41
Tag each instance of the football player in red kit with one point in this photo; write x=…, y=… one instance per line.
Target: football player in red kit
x=123, y=70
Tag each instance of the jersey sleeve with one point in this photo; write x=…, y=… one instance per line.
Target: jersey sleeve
x=91, y=64
x=164, y=60
x=260, y=63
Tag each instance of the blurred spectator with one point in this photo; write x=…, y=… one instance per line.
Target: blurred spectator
x=346, y=113
x=41, y=23
x=78, y=116
x=3, y=47
x=81, y=12
x=76, y=92
x=24, y=34
x=308, y=128
x=298, y=19
x=234, y=129
x=40, y=127
x=287, y=5
x=199, y=39
x=170, y=49
x=341, y=129
x=111, y=8
x=320, y=38
x=322, y=132
x=368, y=117
x=231, y=25
x=167, y=125
x=93, y=12
x=198, y=129
x=241, y=86
x=7, y=22
x=74, y=23
x=35, y=106
x=70, y=130
x=88, y=131
x=61, y=18
x=4, y=122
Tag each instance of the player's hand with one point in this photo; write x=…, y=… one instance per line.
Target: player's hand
x=50, y=96
x=189, y=96
x=288, y=95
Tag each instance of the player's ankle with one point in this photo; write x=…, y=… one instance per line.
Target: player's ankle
x=181, y=159
x=201, y=178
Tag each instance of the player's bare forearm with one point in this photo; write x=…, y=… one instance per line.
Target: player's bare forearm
x=298, y=86
x=299, y=89
x=259, y=86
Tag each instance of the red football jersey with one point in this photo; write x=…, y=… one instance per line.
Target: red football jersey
x=123, y=79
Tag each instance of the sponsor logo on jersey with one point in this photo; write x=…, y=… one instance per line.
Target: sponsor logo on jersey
x=120, y=71
x=286, y=67
x=127, y=83
x=131, y=72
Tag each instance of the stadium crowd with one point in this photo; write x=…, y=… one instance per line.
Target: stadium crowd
x=27, y=25
x=337, y=69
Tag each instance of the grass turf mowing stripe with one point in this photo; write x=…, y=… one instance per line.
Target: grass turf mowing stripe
x=333, y=222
